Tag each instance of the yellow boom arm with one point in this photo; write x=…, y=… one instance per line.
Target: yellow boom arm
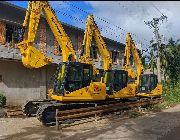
x=130, y=47
x=32, y=57
x=92, y=30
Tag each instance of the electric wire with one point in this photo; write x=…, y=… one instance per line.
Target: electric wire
x=101, y=19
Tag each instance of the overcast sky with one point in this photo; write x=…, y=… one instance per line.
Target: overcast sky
x=128, y=15
x=131, y=15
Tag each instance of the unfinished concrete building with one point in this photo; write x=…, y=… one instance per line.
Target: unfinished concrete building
x=19, y=83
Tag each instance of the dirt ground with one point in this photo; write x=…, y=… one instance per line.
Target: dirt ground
x=161, y=125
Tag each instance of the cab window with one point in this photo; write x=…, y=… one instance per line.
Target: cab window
x=74, y=81
x=86, y=75
x=144, y=80
x=74, y=74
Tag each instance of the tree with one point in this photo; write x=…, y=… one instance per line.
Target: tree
x=171, y=60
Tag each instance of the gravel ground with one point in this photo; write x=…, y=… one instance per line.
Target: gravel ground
x=149, y=127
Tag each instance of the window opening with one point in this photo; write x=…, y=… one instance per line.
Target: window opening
x=0, y=78
x=13, y=33
x=114, y=56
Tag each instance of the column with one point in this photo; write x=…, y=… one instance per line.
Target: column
x=43, y=37
x=2, y=33
x=43, y=93
x=80, y=40
x=56, y=47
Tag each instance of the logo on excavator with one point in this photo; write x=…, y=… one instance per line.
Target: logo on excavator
x=96, y=89
x=130, y=91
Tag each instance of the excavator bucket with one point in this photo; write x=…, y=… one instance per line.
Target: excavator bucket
x=32, y=57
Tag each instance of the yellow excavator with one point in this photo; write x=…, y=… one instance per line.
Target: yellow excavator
x=147, y=85
x=74, y=86
x=73, y=80
x=115, y=80
x=133, y=77
x=91, y=31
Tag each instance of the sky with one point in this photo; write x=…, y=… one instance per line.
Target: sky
x=116, y=18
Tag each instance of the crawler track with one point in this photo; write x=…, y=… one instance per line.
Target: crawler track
x=76, y=113
x=30, y=108
x=47, y=112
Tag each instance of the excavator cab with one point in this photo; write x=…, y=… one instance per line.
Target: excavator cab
x=72, y=76
x=148, y=82
x=115, y=80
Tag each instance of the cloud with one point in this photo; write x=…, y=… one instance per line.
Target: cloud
x=130, y=15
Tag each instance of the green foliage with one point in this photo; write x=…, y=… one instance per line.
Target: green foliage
x=171, y=93
x=172, y=57
x=2, y=100
x=171, y=96
x=169, y=59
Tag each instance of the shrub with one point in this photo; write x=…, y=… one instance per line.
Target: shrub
x=171, y=96
x=171, y=93
x=2, y=100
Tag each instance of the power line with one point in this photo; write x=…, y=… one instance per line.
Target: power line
x=94, y=15
x=81, y=21
x=101, y=29
x=101, y=24
x=73, y=17
x=157, y=9
x=101, y=19
x=65, y=14
x=169, y=32
x=130, y=12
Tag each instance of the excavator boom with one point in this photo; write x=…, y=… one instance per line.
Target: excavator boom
x=131, y=48
x=92, y=30
x=31, y=56
x=73, y=85
x=115, y=80
x=146, y=84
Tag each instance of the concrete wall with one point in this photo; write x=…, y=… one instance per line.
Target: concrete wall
x=20, y=83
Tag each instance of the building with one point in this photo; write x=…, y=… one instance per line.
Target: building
x=19, y=83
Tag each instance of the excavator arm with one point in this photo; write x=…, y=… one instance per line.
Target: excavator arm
x=90, y=31
x=32, y=57
x=131, y=48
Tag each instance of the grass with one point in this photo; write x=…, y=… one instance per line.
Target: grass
x=171, y=97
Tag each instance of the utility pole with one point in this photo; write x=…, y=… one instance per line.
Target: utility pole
x=154, y=24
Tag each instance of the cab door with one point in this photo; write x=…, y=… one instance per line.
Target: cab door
x=87, y=75
x=120, y=80
x=153, y=82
